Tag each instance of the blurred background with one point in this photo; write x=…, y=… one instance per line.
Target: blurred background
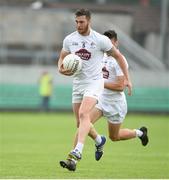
x=31, y=35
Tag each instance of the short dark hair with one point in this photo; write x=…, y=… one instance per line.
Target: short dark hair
x=111, y=34
x=83, y=12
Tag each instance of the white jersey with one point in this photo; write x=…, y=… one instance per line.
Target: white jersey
x=111, y=70
x=91, y=50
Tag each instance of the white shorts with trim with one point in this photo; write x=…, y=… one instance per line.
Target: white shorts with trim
x=91, y=89
x=115, y=111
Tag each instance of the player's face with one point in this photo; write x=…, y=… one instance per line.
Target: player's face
x=82, y=25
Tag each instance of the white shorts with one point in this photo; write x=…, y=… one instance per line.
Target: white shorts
x=114, y=111
x=91, y=89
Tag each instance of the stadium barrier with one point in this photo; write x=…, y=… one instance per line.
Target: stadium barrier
x=26, y=97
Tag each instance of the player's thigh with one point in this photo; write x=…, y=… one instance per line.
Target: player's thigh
x=77, y=93
x=76, y=107
x=95, y=114
x=90, y=89
x=94, y=89
x=114, y=111
x=87, y=104
x=113, y=129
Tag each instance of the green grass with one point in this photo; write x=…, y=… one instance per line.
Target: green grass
x=32, y=144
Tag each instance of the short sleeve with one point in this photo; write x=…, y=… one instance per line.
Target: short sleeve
x=105, y=43
x=66, y=45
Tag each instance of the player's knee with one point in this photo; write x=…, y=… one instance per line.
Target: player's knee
x=82, y=115
x=114, y=138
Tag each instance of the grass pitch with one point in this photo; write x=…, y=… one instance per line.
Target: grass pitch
x=32, y=144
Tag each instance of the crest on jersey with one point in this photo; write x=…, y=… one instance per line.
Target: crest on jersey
x=92, y=45
x=83, y=54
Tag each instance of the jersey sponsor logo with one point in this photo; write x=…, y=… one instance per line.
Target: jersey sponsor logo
x=83, y=54
x=105, y=73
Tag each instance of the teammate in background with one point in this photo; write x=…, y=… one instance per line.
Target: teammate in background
x=112, y=104
x=90, y=46
x=45, y=90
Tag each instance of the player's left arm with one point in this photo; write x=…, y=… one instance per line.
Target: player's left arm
x=118, y=85
x=121, y=61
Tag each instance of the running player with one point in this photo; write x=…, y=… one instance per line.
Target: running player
x=112, y=104
x=88, y=84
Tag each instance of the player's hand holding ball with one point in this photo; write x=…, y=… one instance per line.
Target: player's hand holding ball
x=71, y=65
x=65, y=71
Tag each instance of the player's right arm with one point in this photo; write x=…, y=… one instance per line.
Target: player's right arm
x=63, y=54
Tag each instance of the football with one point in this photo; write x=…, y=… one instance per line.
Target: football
x=73, y=63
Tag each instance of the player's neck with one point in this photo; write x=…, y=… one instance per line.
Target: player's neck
x=87, y=32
